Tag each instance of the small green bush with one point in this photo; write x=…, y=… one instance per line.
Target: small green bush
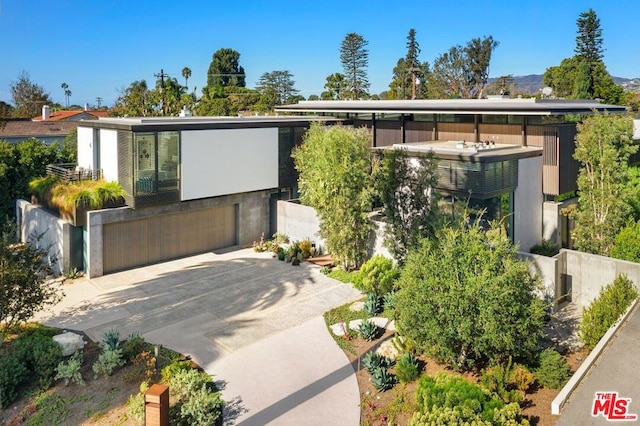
x=107, y=361
x=199, y=401
x=12, y=373
x=499, y=381
x=134, y=345
x=40, y=354
x=388, y=300
x=553, y=371
x=447, y=391
x=377, y=275
x=167, y=373
x=135, y=404
x=69, y=370
x=509, y=415
x=368, y=330
x=627, y=243
x=407, y=367
x=545, y=248
x=606, y=309
x=372, y=304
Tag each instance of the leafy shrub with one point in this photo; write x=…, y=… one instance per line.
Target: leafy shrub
x=111, y=340
x=372, y=361
x=382, y=379
x=498, y=381
x=135, y=404
x=281, y=253
x=545, y=248
x=368, y=330
x=167, y=373
x=69, y=370
x=40, y=354
x=627, y=243
x=260, y=246
x=144, y=367
x=509, y=415
x=107, y=361
x=199, y=401
x=306, y=248
x=201, y=407
x=553, y=371
x=372, y=304
x=378, y=276
x=280, y=238
x=452, y=397
x=523, y=379
x=606, y=309
x=407, y=367
x=12, y=373
x=134, y=345
x=325, y=270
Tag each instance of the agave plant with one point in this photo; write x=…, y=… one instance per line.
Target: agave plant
x=368, y=330
x=382, y=379
x=373, y=360
x=372, y=304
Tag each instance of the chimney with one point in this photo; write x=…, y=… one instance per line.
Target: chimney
x=86, y=106
x=45, y=112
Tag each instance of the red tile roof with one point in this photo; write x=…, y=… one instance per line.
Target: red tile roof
x=36, y=129
x=73, y=115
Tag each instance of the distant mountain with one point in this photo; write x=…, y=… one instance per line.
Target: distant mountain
x=533, y=83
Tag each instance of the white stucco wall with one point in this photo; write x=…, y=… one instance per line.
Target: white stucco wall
x=46, y=230
x=528, y=199
x=85, y=147
x=228, y=161
x=109, y=154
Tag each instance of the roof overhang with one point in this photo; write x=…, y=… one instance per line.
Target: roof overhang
x=529, y=106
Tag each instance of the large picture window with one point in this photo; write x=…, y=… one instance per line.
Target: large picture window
x=156, y=163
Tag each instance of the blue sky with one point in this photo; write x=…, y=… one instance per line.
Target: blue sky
x=100, y=47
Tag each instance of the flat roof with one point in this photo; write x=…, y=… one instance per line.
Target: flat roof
x=200, y=123
x=469, y=152
x=499, y=106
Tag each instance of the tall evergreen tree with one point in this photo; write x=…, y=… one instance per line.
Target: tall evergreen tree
x=412, y=63
x=225, y=69
x=589, y=39
x=278, y=85
x=354, y=56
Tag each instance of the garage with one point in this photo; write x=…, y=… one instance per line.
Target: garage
x=162, y=237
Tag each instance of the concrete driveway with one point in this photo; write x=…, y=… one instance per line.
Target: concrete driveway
x=253, y=322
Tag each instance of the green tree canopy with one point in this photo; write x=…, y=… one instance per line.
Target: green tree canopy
x=468, y=299
x=603, y=146
x=354, y=57
x=334, y=87
x=135, y=101
x=405, y=185
x=336, y=179
x=279, y=85
x=24, y=274
x=225, y=69
x=463, y=71
x=28, y=97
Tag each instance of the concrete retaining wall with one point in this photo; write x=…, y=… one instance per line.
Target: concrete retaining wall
x=549, y=272
x=62, y=240
x=585, y=274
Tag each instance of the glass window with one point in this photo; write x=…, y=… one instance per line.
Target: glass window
x=145, y=163
x=168, y=161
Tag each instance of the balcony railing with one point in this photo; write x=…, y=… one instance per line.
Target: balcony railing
x=70, y=172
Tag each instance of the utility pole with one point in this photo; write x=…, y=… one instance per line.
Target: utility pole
x=162, y=75
x=98, y=101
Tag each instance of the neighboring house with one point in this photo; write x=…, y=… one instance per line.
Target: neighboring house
x=16, y=131
x=194, y=184
x=47, y=127
x=510, y=157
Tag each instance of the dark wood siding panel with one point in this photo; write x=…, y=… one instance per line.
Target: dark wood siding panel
x=569, y=166
x=418, y=131
x=388, y=132
x=163, y=237
x=456, y=131
x=501, y=133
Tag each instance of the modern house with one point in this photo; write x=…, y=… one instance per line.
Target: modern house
x=193, y=184
x=196, y=184
x=510, y=157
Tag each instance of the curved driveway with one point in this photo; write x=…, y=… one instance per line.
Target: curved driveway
x=253, y=322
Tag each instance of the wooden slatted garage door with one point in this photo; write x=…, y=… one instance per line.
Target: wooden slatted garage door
x=157, y=238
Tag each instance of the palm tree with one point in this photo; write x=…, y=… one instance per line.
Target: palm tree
x=67, y=92
x=186, y=73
